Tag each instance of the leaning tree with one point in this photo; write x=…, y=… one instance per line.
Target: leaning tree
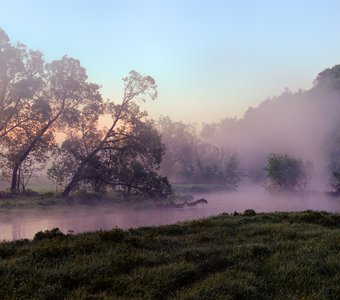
x=126, y=153
x=64, y=93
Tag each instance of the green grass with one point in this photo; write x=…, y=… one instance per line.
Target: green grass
x=7, y=203
x=266, y=256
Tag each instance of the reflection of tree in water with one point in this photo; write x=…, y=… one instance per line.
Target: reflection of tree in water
x=18, y=231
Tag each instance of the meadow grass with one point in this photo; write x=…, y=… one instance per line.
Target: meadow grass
x=262, y=256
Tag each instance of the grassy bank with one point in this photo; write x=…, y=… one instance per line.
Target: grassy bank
x=23, y=201
x=52, y=200
x=266, y=256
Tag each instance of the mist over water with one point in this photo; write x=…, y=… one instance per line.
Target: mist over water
x=19, y=224
x=302, y=124
x=128, y=154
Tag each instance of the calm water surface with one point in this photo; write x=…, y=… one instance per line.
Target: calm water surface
x=24, y=223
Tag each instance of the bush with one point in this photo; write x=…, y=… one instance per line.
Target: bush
x=115, y=235
x=285, y=173
x=48, y=234
x=249, y=213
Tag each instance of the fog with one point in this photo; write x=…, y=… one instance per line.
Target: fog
x=302, y=124
x=134, y=155
x=24, y=223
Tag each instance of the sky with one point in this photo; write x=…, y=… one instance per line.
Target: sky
x=211, y=59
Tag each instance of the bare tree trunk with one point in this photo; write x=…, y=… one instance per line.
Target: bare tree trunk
x=19, y=180
x=14, y=181
x=71, y=186
x=128, y=97
x=28, y=150
x=77, y=176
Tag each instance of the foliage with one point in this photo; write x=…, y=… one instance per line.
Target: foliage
x=333, y=147
x=262, y=256
x=328, y=78
x=126, y=155
x=249, y=212
x=48, y=234
x=189, y=159
x=38, y=100
x=285, y=173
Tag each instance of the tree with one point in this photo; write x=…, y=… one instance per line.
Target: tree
x=21, y=79
x=180, y=140
x=130, y=164
x=233, y=173
x=328, y=78
x=64, y=93
x=334, y=159
x=190, y=159
x=34, y=161
x=125, y=154
x=36, y=99
x=285, y=173
x=134, y=163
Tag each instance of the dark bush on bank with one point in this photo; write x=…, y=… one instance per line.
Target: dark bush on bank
x=48, y=234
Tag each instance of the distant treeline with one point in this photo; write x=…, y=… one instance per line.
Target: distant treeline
x=304, y=125
x=301, y=127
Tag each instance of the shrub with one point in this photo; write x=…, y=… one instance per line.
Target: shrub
x=249, y=213
x=48, y=234
x=285, y=173
x=115, y=235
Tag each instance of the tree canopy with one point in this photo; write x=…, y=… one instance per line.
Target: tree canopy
x=38, y=100
x=328, y=78
x=190, y=159
x=286, y=173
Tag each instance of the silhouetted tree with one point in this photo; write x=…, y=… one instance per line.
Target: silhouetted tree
x=125, y=154
x=66, y=91
x=21, y=81
x=328, y=79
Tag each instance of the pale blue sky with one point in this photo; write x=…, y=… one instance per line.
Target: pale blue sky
x=211, y=59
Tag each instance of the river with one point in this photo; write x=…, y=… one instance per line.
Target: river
x=24, y=223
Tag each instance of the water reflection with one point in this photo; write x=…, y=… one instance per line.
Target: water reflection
x=18, y=224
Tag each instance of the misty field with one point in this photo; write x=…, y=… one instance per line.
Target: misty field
x=263, y=256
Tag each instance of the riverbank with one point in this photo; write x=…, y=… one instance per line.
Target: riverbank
x=50, y=200
x=263, y=256
x=33, y=199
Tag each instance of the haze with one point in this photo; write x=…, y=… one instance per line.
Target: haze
x=76, y=219
x=236, y=84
